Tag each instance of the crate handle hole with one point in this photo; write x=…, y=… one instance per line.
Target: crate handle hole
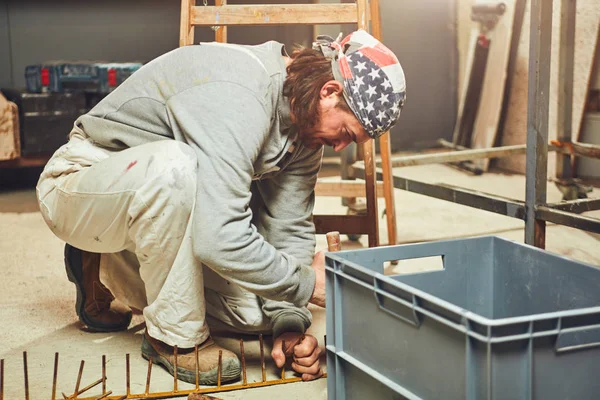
x=413, y=265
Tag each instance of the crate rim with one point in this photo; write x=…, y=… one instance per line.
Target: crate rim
x=465, y=315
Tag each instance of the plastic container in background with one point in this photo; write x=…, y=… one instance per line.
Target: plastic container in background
x=590, y=133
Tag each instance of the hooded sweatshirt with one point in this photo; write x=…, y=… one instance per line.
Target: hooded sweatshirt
x=252, y=223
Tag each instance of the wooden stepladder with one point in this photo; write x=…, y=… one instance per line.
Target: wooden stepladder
x=360, y=12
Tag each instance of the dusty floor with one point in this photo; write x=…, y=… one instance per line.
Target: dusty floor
x=37, y=302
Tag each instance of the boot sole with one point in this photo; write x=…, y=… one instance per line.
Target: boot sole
x=230, y=369
x=79, y=304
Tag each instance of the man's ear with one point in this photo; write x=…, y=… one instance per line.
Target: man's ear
x=330, y=88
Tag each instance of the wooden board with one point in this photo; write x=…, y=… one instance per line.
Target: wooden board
x=471, y=96
x=586, y=36
x=464, y=87
x=281, y=14
x=346, y=188
x=492, y=93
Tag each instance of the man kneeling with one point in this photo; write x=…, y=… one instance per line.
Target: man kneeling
x=190, y=189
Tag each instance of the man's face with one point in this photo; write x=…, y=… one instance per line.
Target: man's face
x=336, y=127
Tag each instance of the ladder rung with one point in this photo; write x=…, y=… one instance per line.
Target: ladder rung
x=344, y=224
x=278, y=14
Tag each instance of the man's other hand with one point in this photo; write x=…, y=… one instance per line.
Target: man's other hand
x=318, y=296
x=303, y=353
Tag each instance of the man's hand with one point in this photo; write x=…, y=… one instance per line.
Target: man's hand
x=318, y=296
x=304, y=353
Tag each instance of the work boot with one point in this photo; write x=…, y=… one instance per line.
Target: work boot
x=208, y=361
x=96, y=307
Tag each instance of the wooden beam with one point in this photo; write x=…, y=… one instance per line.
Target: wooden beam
x=345, y=224
x=221, y=32
x=186, y=31
x=344, y=189
x=277, y=14
x=385, y=147
x=485, y=128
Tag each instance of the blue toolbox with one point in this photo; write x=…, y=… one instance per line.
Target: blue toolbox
x=67, y=76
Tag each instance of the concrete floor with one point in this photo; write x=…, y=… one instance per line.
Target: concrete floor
x=37, y=302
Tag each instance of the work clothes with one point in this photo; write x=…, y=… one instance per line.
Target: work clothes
x=192, y=161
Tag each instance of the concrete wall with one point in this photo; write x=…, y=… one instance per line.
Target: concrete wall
x=423, y=35
x=37, y=30
x=515, y=131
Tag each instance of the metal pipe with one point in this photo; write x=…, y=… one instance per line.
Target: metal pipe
x=577, y=206
x=483, y=201
x=537, y=119
x=568, y=219
x=457, y=156
x=578, y=149
x=566, y=66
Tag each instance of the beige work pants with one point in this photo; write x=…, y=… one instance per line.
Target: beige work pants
x=134, y=207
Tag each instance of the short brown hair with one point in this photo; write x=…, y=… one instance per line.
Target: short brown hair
x=306, y=75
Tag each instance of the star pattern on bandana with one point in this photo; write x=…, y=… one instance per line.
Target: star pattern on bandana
x=373, y=97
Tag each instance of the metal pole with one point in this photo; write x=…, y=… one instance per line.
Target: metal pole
x=566, y=65
x=537, y=119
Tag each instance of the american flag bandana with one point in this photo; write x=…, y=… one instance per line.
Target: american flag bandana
x=373, y=79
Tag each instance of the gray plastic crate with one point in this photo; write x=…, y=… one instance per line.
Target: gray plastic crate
x=502, y=320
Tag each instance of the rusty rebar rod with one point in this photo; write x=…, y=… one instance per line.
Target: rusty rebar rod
x=26, y=375
x=197, y=366
x=105, y=395
x=85, y=389
x=245, y=382
x=2, y=379
x=54, y=376
x=103, y=374
x=262, y=358
x=208, y=390
x=284, y=359
x=175, y=369
x=78, y=379
x=219, y=368
x=148, y=375
x=127, y=374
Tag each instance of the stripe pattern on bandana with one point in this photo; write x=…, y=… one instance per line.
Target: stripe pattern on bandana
x=373, y=79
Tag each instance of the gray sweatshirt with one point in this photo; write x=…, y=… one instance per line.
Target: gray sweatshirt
x=253, y=216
